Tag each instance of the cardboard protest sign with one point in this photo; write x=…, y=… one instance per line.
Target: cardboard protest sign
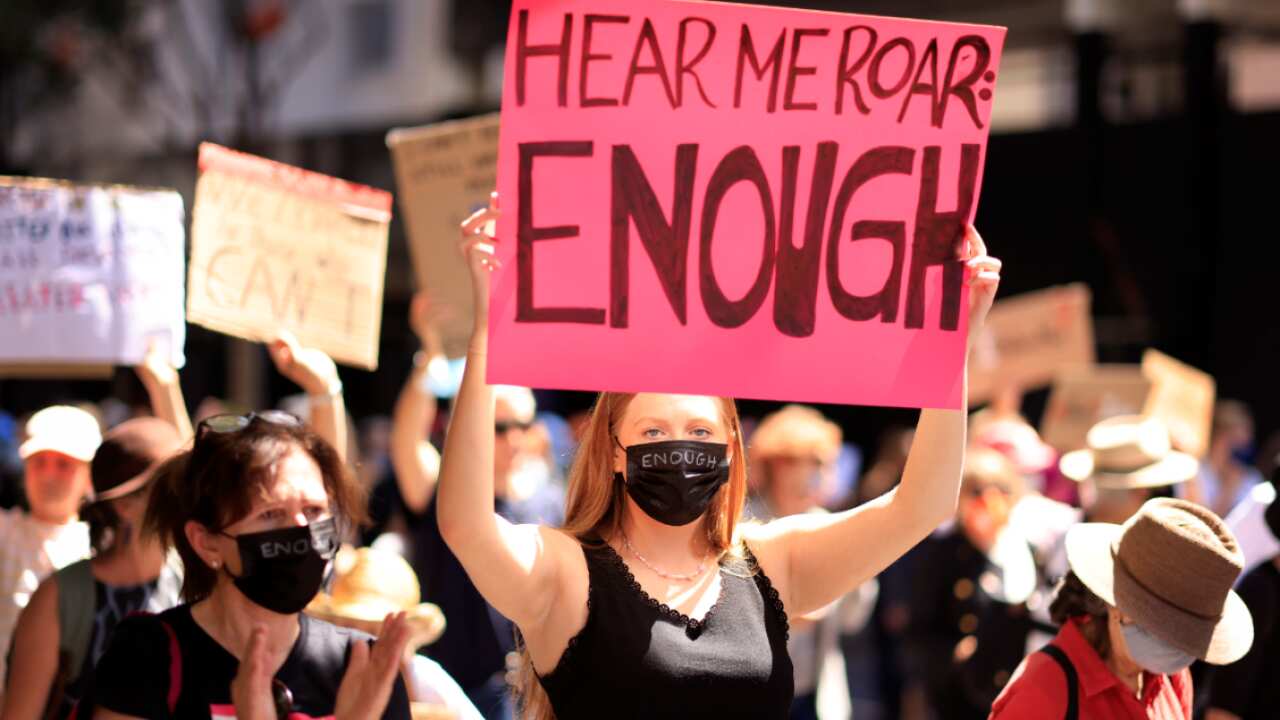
x=1183, y=398
x=90, y=276
x=1029, y=338
x=737, y=200
x=1081, y=397
x=277, y=247
x=445, y=172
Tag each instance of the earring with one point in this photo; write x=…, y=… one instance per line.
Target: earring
x=215, y=564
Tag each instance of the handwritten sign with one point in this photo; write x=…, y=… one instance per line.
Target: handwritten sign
x=1183, y=398
x=1083, y=396
x=276, y=247
x=737, y=200
x=1029, y=338
x=444, y=172
x=90, y=275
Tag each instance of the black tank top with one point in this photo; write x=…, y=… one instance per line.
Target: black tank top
x=638, y=658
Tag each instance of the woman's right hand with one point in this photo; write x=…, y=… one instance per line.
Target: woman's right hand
x=478, y=247
x=309, y=368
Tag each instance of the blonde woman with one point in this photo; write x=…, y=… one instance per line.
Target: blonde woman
x=652, y=601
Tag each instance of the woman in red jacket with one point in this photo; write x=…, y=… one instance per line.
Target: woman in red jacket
x=1142, y=602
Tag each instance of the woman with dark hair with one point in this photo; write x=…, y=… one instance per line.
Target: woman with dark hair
x=1141, y=603
x=254, y=511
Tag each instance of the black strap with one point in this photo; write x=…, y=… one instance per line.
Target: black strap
x=1073, y=680
x=175, y=672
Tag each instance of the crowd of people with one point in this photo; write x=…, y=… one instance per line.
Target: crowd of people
x=654, y=556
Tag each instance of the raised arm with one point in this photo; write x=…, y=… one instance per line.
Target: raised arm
x=160, y=378
x=316, y=374
x=821, y=557
x=415, y=460
x=515, y=567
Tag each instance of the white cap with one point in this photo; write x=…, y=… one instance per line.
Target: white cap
x=63, y=429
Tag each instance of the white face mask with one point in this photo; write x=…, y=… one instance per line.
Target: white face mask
x=1153, y=654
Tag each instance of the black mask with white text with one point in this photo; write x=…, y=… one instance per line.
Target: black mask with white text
x=674, y=481
x=282, y=570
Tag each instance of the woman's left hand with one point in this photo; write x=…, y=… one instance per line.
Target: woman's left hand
x=311, y=369
x=982, y=274
x=371, y=674
x=251, y=687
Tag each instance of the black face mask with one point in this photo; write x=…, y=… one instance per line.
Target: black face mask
x=674, y=481
x=282, y=570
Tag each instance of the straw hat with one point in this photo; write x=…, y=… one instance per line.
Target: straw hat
x=1129, y=451
x=371, y=583
x=1170, y=567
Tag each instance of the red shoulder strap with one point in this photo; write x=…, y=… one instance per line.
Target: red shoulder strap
x=175, y=667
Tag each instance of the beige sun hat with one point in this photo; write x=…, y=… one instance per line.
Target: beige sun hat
x=1170, y=567
x=1129, y=451
x=371, y=583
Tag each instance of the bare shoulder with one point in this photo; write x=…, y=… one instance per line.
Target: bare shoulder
x=769, y=537
x=43, y=606
x=766, y=541
x=764, y=538
x=567, y=614
x=758, y=534
x=559, y=539
x=566, y=552
x=766, y=533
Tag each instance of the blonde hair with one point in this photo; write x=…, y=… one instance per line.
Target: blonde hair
x=596, y=501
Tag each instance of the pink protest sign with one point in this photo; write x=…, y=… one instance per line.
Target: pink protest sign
x=737, y=200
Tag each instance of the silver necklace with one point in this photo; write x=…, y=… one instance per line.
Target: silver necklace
x=702, y=566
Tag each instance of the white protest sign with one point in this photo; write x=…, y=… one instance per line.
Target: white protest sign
x=89, y=274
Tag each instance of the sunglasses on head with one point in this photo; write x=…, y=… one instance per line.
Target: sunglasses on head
x=230, y=422
x=502, y=427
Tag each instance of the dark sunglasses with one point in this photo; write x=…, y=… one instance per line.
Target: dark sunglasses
x=230, y=422
x=502, y=427
x=282, y=697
